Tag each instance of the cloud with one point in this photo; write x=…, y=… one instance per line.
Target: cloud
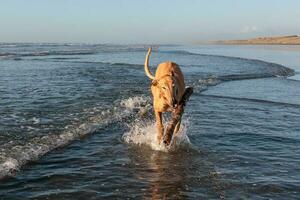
x=249, y=29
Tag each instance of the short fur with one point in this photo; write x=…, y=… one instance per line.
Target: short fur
x=167, y=89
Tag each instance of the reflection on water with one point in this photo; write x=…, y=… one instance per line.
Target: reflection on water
x=182, y=174
x=165, y=177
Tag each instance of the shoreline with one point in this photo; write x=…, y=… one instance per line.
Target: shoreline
x=282, y=40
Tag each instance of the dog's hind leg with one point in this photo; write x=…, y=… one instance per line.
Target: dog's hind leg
x=159, y=125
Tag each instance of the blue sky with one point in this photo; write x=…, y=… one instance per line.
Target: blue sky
x=145, y=21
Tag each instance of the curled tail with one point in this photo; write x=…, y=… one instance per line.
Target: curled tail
x=147, y=70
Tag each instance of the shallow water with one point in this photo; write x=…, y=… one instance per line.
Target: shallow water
x=239, y=139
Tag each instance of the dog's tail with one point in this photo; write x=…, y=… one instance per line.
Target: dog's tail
x=147, y=70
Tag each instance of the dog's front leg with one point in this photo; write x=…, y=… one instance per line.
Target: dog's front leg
x=175, y=120
x=159, y=125
x=176, y=116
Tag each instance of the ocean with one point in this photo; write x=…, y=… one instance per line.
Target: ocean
x=77, y=123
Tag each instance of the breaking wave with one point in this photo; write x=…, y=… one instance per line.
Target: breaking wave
x=13, y=157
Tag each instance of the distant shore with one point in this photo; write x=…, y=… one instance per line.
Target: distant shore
x=282, y=40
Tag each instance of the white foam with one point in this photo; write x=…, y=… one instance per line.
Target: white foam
x=134, y=102
x=36, y=120
x=204, y=83
x=10, y=163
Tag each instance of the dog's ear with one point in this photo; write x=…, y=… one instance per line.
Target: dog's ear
x=154, y=83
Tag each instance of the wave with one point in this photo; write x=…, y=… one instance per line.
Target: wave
x=13, y=157
x=254, y=100
x=46, y=49
x=64, y=58
x=46, y=53
x=73, y=60
x=110, y=63
x=281, y=70
x=37, y=44
x=235, y=77
x=204, y=83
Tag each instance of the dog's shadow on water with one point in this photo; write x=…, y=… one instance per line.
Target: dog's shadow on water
x=179, y=174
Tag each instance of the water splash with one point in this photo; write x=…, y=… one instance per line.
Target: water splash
x=144, y=133
x=142, y=130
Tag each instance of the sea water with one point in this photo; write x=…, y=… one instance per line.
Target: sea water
x=77, y=123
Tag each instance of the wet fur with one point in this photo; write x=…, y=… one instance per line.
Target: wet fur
x=167, y=90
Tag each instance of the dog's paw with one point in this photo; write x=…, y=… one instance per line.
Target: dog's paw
x=166, y=143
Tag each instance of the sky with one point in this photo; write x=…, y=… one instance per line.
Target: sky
x=145, y=21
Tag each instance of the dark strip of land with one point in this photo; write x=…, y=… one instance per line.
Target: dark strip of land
x=283, y=40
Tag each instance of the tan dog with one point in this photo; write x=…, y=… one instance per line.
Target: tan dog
x=167, y=89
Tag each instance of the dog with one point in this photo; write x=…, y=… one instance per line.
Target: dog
x=167, y=89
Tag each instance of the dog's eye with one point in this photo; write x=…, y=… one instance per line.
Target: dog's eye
x=164, y=88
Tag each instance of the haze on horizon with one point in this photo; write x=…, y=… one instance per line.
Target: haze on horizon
x=147, y=21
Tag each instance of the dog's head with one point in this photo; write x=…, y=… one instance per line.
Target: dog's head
x=168, y=89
